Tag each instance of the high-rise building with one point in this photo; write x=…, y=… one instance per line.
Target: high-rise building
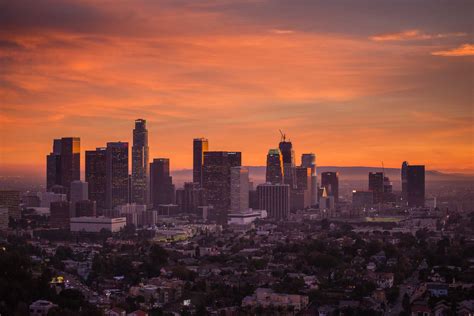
x=274, y=172
x=200, y=146
x=139, y=191
x=70, y=161
x=309, y=161
x=116, y=174
x=216, y=177
x=79, y=192
x=288, y=157
x=376, y=185
x=64, y=163
x=10, y=199
x=4, y=218
x=416, y=185
x=59, y=214
x=239, y=189
x=190, y=197
x=330, y=181
x=96, y=176
x=53, y=166
x=301, y=194
x=404, y=181
x=161, y=183
x=275, y=199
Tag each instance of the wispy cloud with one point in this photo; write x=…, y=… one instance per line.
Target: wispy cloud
x=463, y=50
x=281, y=31
x=408, y=35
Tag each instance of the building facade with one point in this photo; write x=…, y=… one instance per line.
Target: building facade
x=96, y=176
x=139, y=183
x=275, y=199
x=116, y=174
x=161, y=182
x=330, y=181
x=239, y=189
x=200, y=146
x=274, y=171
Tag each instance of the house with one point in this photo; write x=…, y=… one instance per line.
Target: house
x=420, y=308
x=116, y=311
x=437, y=289
x=41, y=308
x=138, y=313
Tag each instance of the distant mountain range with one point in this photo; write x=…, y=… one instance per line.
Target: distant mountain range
x=257, y=174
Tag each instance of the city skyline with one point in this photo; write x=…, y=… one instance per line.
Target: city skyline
x=399, y=85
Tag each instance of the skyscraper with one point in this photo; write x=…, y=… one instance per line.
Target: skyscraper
x=404, y=180
x=416, y=186
x=274, y=172
x=275, y=199
x=300, y=196
x=161, y=183
x=70, y=161
x=139, y=190
x=200, y=146
x=309, y=161
x=288, y=157
x=216, y=177
x=53, y=166
x=376, y=185
x=116, y=174
x=239, y=189
x=96, y=176
x=330, y=181
x=63, y=163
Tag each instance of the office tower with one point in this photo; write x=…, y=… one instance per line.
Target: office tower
x=301, y=194
x=161, y=183
x=216, y=177
x=274, y=172
x=239, y=189
x=309, y=161
x=404, y=180
x=116, y=174
x=96, y=176
x=86, y=208
x=10, y=199
x=200, y=146
x=79, y=192
x=416, y=186
x=275, y=199
x=190, y=197
x=288, y=157
x=330, y=181
x=139, y=190
x=59, y=215
x=70, y=161
x=53, y=166
x=376, y=185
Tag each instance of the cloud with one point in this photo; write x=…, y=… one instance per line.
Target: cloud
x=281, y=31
x=409, y=35
x=463, y=50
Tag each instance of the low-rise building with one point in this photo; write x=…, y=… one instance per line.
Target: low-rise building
x=96, y=224
x=41, y=308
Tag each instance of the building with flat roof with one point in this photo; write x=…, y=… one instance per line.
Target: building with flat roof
x=96, y=224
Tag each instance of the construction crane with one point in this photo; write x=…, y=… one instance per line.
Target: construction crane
x=283, y=136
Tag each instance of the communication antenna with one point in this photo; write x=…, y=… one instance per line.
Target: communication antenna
x=283, y=136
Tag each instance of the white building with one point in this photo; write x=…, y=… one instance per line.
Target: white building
x=244, y=218
x=96, y=224
x=41, y=308
x=264, y=297
x=239, y=189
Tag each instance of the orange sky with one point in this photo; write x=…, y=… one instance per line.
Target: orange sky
x=355, y=82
